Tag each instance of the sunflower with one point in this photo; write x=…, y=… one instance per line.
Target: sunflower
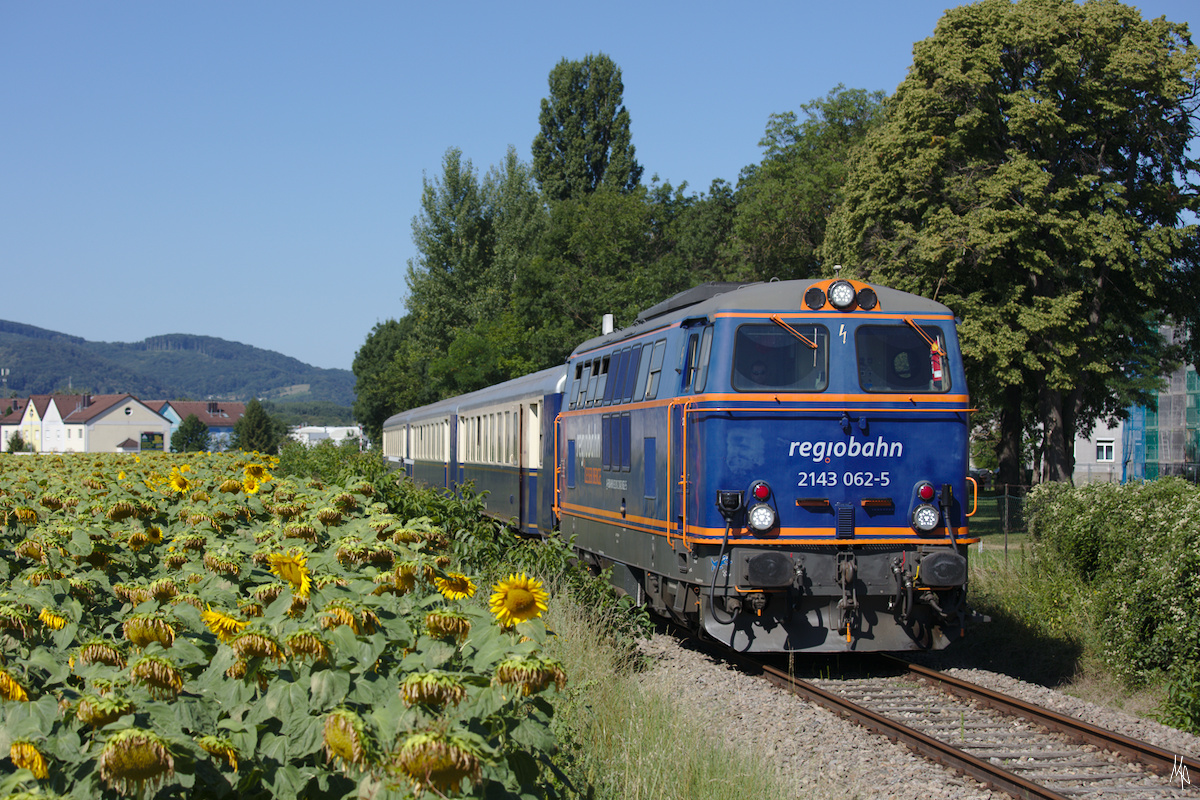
x=308, y=644
x=26, y=756
x=433, y=689
x=439, y=761
x=222, y=748
x=100, y=711
x=517, y=599
x=292, y=567
x=531, y=673
x=179, y=482
x=10, y=689
x=224, y=626
x=251, y=485
x=160, y=677
x=447, y=623
x=134, y=759
x=257, y=644
x=142, y=629
x=347, y=739
x=455, y=586
x=52, y=620
x=256, y=471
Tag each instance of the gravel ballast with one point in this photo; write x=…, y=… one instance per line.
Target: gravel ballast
x=818, y=754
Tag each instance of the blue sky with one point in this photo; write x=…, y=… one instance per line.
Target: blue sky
x=250, y=170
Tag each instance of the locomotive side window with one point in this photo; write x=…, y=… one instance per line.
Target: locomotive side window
x=575, y=385
x=656, y=362
x=689, y=361
x=701, y=371
x=597, y=397
x=896, y=358
x=611, y=392
x=770, y=357
x=632, y=373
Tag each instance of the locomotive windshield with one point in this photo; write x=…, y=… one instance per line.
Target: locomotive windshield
x=771, y=357
x=901, y=358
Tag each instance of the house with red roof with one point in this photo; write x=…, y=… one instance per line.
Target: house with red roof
x=219, y=415
x=92, y=424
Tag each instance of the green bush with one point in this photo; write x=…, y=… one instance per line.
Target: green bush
x=1135, y=550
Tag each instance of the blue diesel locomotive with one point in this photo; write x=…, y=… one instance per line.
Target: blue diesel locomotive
x=780, y=466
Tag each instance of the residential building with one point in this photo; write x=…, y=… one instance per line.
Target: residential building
x=219, y=415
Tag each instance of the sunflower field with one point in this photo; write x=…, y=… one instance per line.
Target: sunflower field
x=195, y=626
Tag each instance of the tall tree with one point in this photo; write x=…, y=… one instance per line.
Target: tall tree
x=784, y=203
x=1033, y=174
x=377, y=389
x=585, y=142
x=452, y=234
x=257, y=431
x=191, y=436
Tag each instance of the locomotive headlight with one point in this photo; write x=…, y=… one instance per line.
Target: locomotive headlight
x=761, y=518
x=925, y=518
x=841, y=294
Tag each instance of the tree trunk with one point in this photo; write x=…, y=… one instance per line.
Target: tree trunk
x=1008, y=448
x=1056, y=455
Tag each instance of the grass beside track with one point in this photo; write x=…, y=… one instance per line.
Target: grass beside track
x=627, y=742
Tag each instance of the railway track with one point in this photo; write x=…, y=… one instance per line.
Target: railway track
x=1016, y=747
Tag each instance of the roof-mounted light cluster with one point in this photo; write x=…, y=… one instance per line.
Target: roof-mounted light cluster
x=842, y=295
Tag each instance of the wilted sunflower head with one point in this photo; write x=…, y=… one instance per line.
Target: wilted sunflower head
x=308, y=644
x=455, y=586
x=102, y=652
x=257, y=471
x=25, y=755
x=531, y=673
x=98, y=711
x=221, y=748
x=158, y=675
x=434, y=688
x=134, y=759
x=257, y=644
x=439, y=761
x=447, y=622
x=518, y=599
x=142, y=629
x=348, y=741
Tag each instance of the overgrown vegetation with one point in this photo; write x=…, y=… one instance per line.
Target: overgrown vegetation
x=1110, y=583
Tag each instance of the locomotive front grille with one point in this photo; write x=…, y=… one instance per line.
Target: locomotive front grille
x=845, y=522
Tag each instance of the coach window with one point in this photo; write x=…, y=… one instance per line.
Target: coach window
x=899, y=358
x=631, y=383
x=655, y=364
x=769, y=357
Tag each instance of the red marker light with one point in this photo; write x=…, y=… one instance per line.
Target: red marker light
x=925, y=492
x=761, y=491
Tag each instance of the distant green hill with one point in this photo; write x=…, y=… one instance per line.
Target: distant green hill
x=175, y=366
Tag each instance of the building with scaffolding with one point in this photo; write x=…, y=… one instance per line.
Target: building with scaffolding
x=1152, y=443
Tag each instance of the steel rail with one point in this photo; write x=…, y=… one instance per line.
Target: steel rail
x=1155, y=758
x=927, y=746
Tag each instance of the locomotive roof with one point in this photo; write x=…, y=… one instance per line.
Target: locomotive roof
x=767, y=297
